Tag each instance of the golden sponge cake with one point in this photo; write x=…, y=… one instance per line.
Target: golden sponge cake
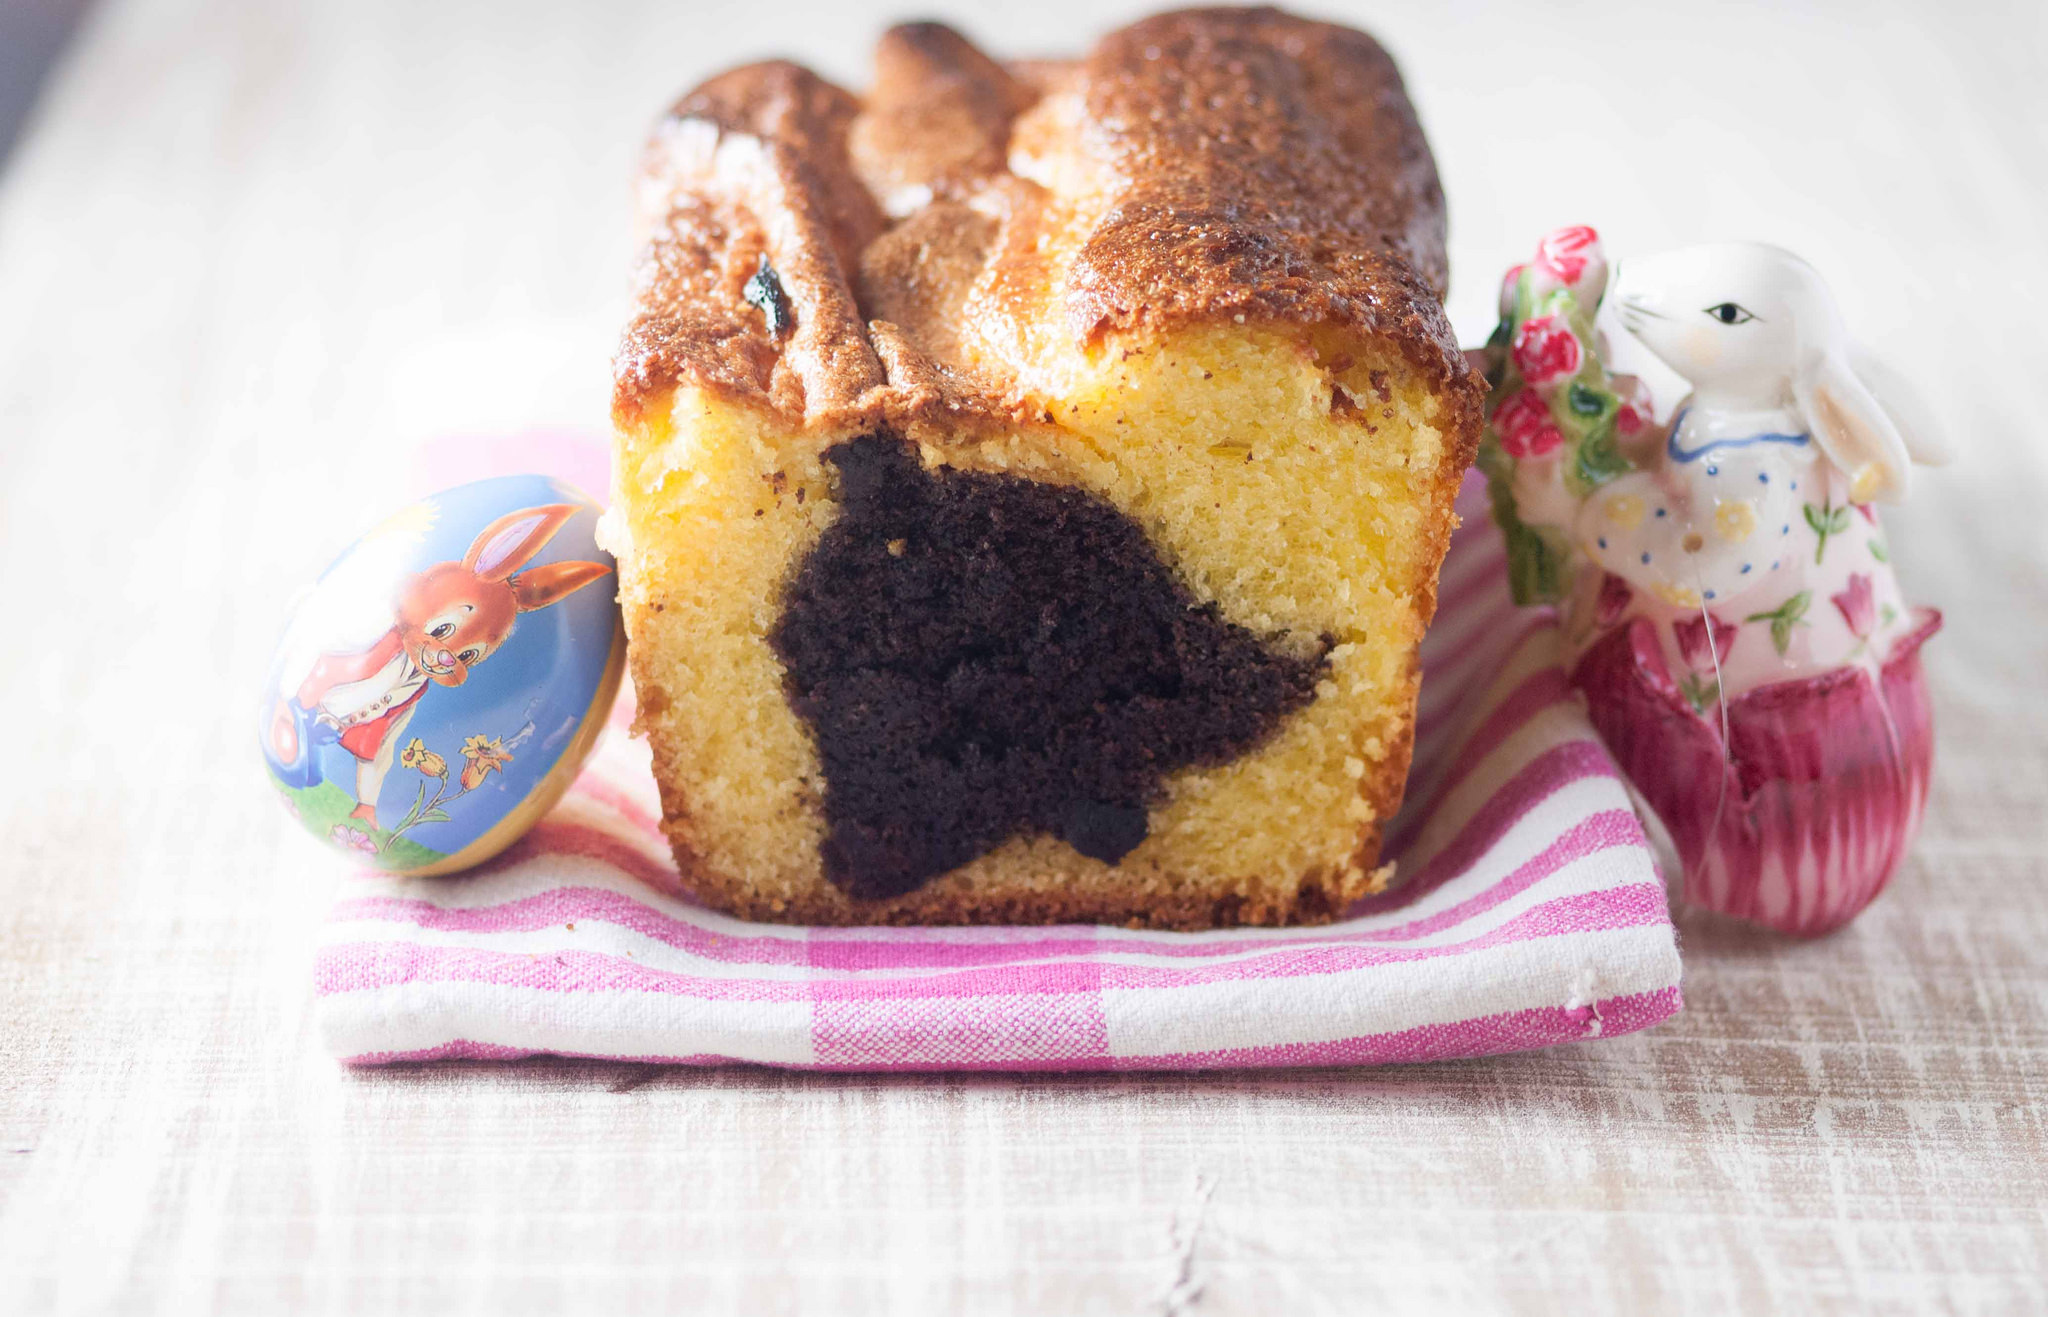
x=1031, y=478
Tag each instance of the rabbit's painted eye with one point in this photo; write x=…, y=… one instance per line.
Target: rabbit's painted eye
x=443, y=631
x=1728, y=313
x=469, y=656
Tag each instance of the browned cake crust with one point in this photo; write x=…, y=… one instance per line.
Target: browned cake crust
x=1245, y=166
x=1217, y=167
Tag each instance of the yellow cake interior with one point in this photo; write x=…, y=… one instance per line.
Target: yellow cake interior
x=1295, y=481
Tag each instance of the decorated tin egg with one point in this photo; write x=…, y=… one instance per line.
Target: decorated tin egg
x=440, y=686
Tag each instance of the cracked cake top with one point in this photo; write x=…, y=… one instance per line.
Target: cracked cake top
x=943, y=250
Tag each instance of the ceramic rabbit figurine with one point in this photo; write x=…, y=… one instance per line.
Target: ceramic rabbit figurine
x=1727, y=595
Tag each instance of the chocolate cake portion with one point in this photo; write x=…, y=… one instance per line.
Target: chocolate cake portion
x=981, y=656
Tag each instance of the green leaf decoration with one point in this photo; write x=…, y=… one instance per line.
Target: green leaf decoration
x=1562, y=302
x=1537, y=566
x=1524, y=302
x=1879, y=552
x=1825, y=520
x=1700, y=693
x=1783, y=618
x=1781, y=635
x=412, y=815
x=1585, y=401
x=1597, y=460
x=436, y=815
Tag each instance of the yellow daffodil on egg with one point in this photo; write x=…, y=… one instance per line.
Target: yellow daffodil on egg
x=485, y=754
x=417, y=756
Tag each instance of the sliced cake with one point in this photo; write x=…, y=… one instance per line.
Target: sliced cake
x=1031, y=478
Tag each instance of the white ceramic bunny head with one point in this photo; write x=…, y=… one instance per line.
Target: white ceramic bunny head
x=1753, y=328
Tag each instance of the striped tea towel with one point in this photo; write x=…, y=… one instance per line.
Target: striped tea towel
x=1530, y=913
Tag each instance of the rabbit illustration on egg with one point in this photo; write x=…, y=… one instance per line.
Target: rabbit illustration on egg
x=393, y=621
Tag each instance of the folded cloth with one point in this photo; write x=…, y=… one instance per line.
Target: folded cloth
x=1529, y=912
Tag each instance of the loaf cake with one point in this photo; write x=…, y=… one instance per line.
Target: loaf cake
x=1031, y=478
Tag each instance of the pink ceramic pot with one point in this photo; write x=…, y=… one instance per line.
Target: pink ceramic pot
x=1798, y=816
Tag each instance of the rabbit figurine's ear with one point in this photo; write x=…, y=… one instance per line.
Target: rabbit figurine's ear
x=1853, y=429
x=506, y=545
x=1927, y=440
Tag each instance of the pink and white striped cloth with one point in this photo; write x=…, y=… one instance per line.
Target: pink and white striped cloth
x=1531, y=913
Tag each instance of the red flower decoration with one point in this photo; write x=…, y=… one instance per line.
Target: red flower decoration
x=1634, y=409
x=1614, y=600
x=1858, y=605
x=1524, y=425
x=1565, y=253
x=1697, y=647
x=1545, y=349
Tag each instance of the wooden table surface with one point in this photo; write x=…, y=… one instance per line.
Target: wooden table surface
x=251, y=255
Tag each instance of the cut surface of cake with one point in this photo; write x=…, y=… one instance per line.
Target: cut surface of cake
x=1031, y=478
